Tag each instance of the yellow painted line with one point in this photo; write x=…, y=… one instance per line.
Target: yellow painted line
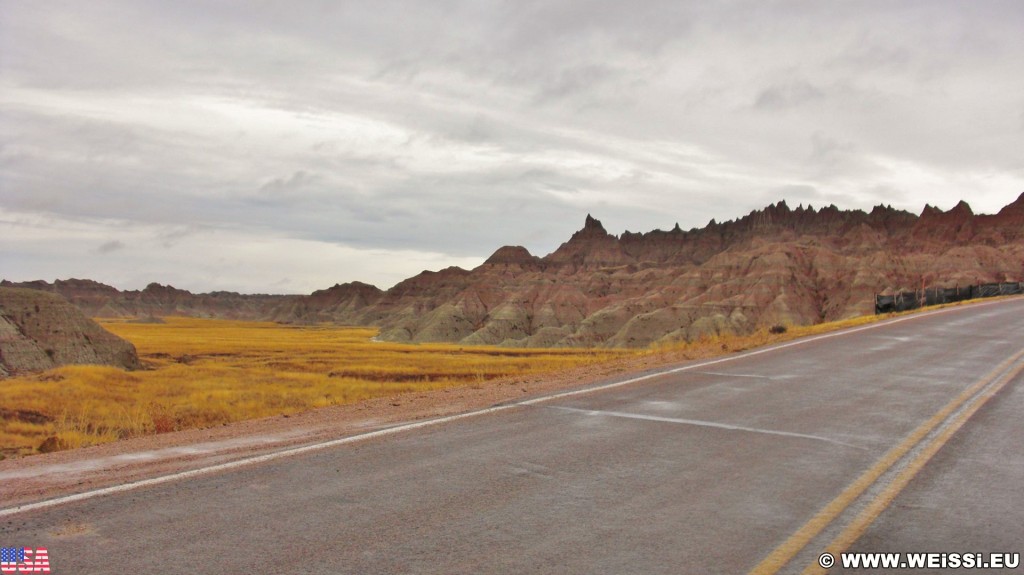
x=785, y=552
x=859, y=525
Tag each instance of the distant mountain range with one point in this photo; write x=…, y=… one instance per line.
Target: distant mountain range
x=773, y=266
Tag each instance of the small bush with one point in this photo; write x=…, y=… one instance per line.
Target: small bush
x=778, y=329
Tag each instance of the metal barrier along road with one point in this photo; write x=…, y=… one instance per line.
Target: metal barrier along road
x=903, y=301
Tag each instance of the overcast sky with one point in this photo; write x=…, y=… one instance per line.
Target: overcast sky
x=284, y=147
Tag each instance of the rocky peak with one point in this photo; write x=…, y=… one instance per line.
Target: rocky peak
x=428, y=281
x=958, y=215
x=1009, y=220
x=962, y=208
x=165, y=295
x=591, y=246
x=349, y=289
x=511, y=255
x=881, y=210
x=772, y=216
x=592, y=228
x=83, y=287
x=937, y=225
x=156, y=288
x=886, y=217
x=40, y=285
x=1017, y=207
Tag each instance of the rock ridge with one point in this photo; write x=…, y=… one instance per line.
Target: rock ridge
x=776, y=265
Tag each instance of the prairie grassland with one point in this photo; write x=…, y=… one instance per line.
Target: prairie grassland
x=201, y=373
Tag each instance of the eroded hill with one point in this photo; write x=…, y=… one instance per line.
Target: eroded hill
x=39, y=331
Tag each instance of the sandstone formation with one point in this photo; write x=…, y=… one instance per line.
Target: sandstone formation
x=774, y=266
x=40, y=331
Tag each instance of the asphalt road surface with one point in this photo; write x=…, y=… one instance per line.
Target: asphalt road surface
x=897, y=437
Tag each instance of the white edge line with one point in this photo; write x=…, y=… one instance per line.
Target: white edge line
x=409, y=426
x=703, y=423
x=244, y=462
x=751, y=376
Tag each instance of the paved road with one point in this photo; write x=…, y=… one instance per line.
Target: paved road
x=898, y=437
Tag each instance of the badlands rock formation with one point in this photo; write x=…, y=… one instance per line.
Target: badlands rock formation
x=39, y=331
x=774, y=266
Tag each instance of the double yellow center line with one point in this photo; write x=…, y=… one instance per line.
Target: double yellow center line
x=977, y=395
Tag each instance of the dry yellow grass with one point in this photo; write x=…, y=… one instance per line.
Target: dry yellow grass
x=202, y=373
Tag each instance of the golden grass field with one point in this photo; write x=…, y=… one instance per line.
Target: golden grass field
x=202, y=373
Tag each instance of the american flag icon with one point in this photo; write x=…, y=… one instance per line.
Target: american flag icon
x=24, y=560
x=12, y=555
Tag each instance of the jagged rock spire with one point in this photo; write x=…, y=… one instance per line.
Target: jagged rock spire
x=592, y=224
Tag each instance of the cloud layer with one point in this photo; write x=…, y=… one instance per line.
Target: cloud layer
x=264, y=147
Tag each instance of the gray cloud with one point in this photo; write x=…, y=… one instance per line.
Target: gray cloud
x=454, y=127
x=171, y=236
x=789, y=94
x=110, y=247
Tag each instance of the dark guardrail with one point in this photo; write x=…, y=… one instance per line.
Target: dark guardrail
x=903, y=301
